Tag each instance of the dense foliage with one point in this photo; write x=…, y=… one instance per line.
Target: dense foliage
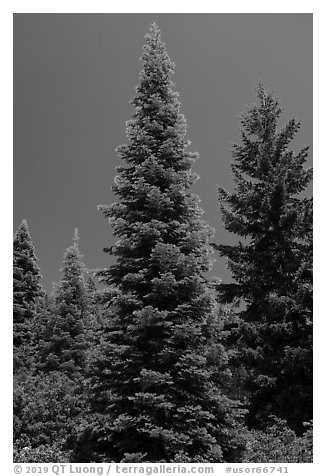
x=49, y=397
x=278, y=444
x=157, y=363
x=45, y=409
x=272, y=265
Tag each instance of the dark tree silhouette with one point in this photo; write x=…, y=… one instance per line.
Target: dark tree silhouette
x=272, y=265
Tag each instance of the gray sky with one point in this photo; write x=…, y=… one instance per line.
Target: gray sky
x=74, y=75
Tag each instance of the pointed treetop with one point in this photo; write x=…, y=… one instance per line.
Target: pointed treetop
x=23, y=243
x=72, y=257
x=154, y=33
x=72, y=271
x=22, y=229
x=262, y=91
x=76, y=238
x=261, y=119
x=155, y=57
x=154, y=28
x=268, y=99
x=73, y=249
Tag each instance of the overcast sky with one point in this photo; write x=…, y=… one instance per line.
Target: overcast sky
x=74, y=75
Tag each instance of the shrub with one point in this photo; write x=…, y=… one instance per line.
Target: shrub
x=279, y=444
x=41, y=454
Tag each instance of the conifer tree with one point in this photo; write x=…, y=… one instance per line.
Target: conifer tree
x=64, y=344
x=27, y=290
x=155, y=392
x=272, y=265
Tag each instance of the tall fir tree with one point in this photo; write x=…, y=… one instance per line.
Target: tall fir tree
x=271, y=265
x=64, y=341
x=27, y=291
x=155, y=390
